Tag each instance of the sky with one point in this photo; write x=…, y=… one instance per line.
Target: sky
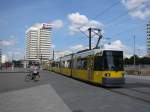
x=119, y=21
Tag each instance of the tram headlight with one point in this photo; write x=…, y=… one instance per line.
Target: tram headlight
x=107, y=74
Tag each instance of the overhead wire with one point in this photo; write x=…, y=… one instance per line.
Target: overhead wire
x=100, y=13
x=113, y=20
x=118, y=17
x=123, y=15
x=107, y=9
x=130, y=29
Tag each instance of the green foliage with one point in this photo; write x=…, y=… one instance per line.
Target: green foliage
x=138, y=60
x=30, y=62
x=17, y=63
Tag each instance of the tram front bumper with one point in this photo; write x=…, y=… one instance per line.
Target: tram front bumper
x=113, y=82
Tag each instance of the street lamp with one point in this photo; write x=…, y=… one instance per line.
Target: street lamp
x=134, y=49
x=41, y=58
x=139, y=71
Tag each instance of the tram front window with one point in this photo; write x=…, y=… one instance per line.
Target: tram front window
x=113, y=60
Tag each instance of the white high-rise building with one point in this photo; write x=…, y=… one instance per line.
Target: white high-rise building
x=38, y=42
x=148, y=39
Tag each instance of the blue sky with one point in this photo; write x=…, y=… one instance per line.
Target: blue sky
x=18, y=15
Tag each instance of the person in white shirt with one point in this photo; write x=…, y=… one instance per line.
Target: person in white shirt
x=35, y=71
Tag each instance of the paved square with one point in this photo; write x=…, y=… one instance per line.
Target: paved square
x=35, y=99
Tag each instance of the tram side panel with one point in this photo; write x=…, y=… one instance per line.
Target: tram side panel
x=66, y=65
x=79, y=69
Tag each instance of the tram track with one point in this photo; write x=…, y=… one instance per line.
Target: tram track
x=143, y=92
x=132, y=96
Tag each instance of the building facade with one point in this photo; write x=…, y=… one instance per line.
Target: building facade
x=38, y=42
x=148, y=38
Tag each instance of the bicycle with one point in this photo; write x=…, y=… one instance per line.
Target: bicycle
x=30, y=77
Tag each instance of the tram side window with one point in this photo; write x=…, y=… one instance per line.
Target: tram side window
x=82, y=64
x=69, y=63
x=53, y=64
x=78, y=64
x=66, y=64
x=75, y=65
x=98, y=63
x=57, y=64
x=63, y=64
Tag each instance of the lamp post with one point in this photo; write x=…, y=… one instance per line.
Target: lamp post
x=134, y=61
x=0, y=54
x=12, y=60
x=41, y=61
x=139, y=71
x=134, y=49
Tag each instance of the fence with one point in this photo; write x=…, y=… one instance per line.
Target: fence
x=137, y=69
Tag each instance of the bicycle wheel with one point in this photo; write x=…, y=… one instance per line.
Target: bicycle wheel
x=37, y=78
x=28, y=77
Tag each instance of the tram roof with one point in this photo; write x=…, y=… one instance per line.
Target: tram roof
x=85, y=53
x=66, y=57
x=92, y=52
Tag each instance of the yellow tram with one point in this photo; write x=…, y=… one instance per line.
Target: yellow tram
x=104, y=67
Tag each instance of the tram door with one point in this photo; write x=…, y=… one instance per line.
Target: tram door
x=90, y=67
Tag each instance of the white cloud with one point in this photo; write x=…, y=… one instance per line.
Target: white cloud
x=139, y=50
x=131, y=4
x=141, y=14
x=116, y=45
x=81, y=22
x=7, y=42
x=57, y=24
x=15, y=53
x=71, y=49
x=4, y=58
x=128, y=50
x=61, y=53
x=77, y=47
x=137, y=8
x=53, y=46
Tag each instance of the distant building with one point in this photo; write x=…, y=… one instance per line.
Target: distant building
x=148, y=39
x=38, y=42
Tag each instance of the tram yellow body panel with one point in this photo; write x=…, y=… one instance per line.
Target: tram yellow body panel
x=66, y=71
x=80, y=74
x=56, y=69
x=116, y=74
x=98, y=75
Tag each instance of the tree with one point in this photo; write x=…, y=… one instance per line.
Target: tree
x=138, y=60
